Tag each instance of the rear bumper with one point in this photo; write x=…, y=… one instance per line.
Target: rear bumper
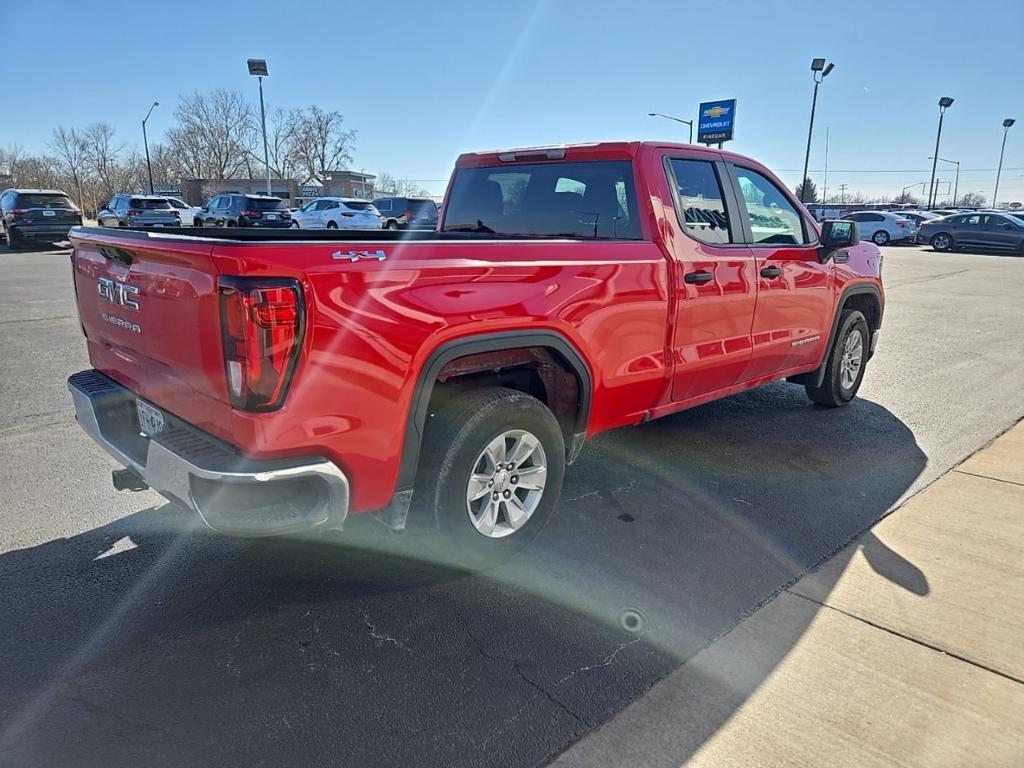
x=43, y=231
x=230, y=493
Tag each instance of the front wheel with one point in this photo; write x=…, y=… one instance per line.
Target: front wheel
x=942, y=242
x=331, y=225
x=492, y=473
x=197, y=222
x=392, y=225
x=844, y=369
x=880, y=238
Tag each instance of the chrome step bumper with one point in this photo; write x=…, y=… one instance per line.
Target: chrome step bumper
x=230, y=493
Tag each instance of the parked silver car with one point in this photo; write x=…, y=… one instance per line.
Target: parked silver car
x=138, y=211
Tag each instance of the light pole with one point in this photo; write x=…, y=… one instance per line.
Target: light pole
x=956, y=182
x=145, y=142
x=258, y=67
x=944, y=102
x=819, y=72
x=1006, y=129
x=677, y=119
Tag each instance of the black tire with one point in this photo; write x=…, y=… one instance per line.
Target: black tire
x=880, y=238
x=832, y=391
x=392, y=225
x=14, y=242
x=197, y=222
x=294, y=225
x=331, y=225
x=942, y=242
x=453, y=443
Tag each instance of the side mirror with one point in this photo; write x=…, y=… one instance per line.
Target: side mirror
x=836, y=235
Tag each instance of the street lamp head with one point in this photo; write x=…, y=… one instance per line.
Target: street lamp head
x=828, y=69
x=257, y=67
x=945, y=101
x=817, y=65
x=156, y=103
x=1008, y=122
x=652, y=114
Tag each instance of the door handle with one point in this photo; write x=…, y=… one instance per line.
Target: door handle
x=699, y=277
x=772, y=271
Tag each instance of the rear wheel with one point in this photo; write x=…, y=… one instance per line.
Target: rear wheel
x=844, y=369
x=197, y=222
x=392, y=225
x=942, y=242
x=295, y=224
x=492, y=473
x=13, y=241
x=331, y=225
x=881, y=237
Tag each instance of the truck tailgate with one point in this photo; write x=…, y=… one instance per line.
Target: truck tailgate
x=149, y=310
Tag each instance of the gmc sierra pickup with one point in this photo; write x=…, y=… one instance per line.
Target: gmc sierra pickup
x=280, y=381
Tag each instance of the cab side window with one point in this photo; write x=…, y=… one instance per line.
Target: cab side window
x=774, y=220
x=700, y=204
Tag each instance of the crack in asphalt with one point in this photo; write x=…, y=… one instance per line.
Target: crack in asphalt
x=382, y=638
x=524, y=677
x=928, y=279
x=606, y=661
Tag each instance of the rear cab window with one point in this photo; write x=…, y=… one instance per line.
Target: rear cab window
x=587, y=200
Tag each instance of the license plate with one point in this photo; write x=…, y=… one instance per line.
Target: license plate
x=49, y=213
x=271, y=215
x=151, y=420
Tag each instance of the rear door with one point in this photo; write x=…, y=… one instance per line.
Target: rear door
x=794, y=289
x=713, y=276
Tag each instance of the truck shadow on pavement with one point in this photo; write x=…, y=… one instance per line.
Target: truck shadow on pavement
x=149, y=642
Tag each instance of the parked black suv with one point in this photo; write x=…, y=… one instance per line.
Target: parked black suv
x=43, y=215
x=407, y=212
x=234, y=210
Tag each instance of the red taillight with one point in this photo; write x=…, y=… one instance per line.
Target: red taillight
x=261, y=327
x=16, y=211
x=134, y=211
x=252, y=214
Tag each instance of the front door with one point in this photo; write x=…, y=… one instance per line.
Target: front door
x=794, y=289
x=713, y=276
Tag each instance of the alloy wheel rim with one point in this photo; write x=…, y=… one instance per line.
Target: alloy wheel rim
x=506, y=483
x=853, y=355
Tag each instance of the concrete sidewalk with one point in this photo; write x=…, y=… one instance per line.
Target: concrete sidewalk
x=906, y=648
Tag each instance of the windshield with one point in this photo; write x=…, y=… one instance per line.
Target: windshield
x=357, y=205
x=43, y=200
x=587, y=199
x=264, y=204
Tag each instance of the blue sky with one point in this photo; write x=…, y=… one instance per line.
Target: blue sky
x=423, y=81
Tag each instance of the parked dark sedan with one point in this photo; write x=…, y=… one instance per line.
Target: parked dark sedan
x=984, y=231
x=43, y=215
x=237, y=210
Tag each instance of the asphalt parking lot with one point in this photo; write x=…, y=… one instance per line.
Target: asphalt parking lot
x=131, y=637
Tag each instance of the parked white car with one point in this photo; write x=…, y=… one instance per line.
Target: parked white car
x=337, y=213
x=882, y=227
x=185, y=211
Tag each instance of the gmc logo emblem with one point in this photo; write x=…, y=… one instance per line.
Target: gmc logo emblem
x=118, y=293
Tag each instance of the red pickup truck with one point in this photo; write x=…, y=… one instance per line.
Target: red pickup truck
x=280, y=381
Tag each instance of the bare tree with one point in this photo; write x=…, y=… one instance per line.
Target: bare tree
x=282, y=129
x=907, y=198
x=213, y=134
x=320, y=143
x=102, y=156
x=973, y=200
x=72, y=153
x=9, y=159
x=386, y=184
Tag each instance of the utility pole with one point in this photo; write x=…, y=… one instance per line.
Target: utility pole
x=824, y=186
x=145, y=142
x=842, y=194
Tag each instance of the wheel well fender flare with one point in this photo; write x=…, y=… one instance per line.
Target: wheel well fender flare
x=475, y=344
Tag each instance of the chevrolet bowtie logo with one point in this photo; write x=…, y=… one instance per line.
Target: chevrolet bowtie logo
x=716, y=111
